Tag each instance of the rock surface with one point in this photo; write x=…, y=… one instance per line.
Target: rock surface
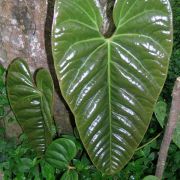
x=22, y=34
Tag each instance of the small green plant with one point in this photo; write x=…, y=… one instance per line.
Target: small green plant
x=20, y=162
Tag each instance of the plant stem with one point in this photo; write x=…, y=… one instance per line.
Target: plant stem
x=71, y=167
x=173, y=117
x=148, y=142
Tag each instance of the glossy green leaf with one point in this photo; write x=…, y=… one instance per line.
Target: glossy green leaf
x=70, y=175
x=31, y=105
x=112, y=84
x=60, y=152
x=76, y=142
x=45, y=85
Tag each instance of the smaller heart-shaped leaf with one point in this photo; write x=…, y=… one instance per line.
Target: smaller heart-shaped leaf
x=32, y=103
x=60, y=152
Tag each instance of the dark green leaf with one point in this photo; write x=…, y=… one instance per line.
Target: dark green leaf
x=85, y=160
x=160, y=112
x=70, y=175
x=2, y=130
x=2, y=70
x=112, y=84
x=150, y=177
x=20, y=176
x=76, y=141
x=29, y=103
x=45, y=85
x=48, y=172
x=76, y=133
x=25, y=165
x=79, y=165
x=1, y=84
x=60, y=152
x=1, y=111
x=3, y=100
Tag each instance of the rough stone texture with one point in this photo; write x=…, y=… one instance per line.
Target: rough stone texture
x=22, y=31
x=25, y=29
x=22, y=34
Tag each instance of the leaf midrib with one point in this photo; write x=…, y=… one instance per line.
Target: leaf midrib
x=109, y=101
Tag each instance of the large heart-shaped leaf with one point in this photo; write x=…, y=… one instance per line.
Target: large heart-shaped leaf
x=32, y=105
x=60, y=152
x=111, y=84
x=45, y=85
